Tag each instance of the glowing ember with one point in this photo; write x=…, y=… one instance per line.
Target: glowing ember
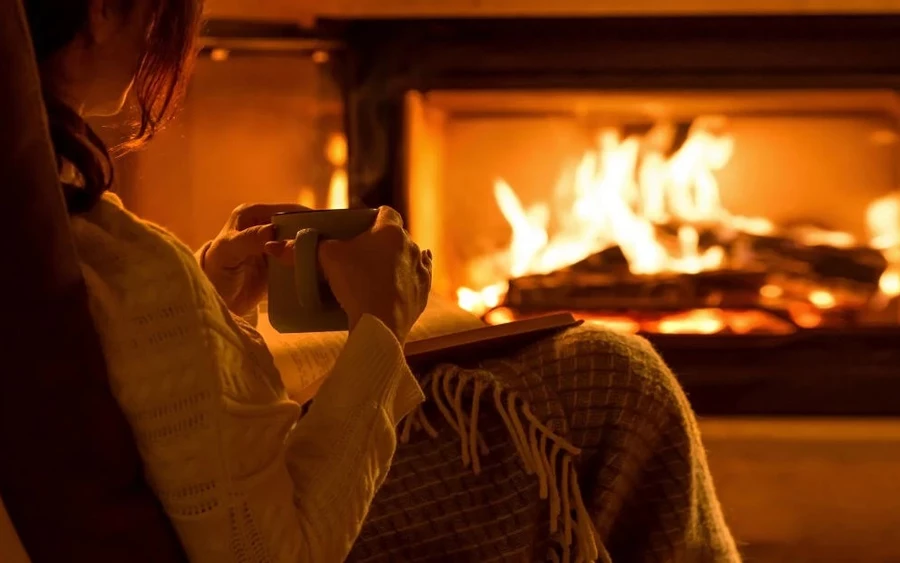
x=771, y=291
x=637, y=194
x=822, y=299
x=700, y=321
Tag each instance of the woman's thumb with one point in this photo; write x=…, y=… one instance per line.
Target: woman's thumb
x=253, y=240
x=281, y=250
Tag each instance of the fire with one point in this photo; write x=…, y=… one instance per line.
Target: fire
x=613, y=206
x=338, y=196
x=338, y=187
x=480, y=302
x=822, y=299
x=622, y=192
x=883, y=220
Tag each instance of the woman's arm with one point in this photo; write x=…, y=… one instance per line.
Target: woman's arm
x=305, y=492
x=239, y=476
x=250, y=480
x=339, y=453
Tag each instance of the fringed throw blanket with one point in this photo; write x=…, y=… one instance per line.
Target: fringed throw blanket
x=579, y=448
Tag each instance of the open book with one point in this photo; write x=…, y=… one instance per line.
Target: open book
x=443, y=333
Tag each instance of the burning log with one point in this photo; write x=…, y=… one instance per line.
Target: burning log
x=813, y=285
x=860, y=265
x=577, y=289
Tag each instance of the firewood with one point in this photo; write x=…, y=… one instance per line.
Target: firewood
x=587, y=291
x=778, y=254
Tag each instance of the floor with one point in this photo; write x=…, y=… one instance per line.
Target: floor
x=809, y=490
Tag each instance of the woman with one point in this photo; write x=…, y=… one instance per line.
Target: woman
x=200, y=391
x=239, y=477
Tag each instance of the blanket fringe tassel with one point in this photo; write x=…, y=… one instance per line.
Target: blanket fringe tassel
x=570, y=522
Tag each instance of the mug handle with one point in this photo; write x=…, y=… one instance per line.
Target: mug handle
x=306, y=279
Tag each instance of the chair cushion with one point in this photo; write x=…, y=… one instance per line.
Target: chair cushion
x=70, y=477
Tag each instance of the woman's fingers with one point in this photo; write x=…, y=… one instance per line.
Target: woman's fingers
x=387, y=216
x=246, y=216
x=425, y=261
x=252, y=241
x=281, y=250
x=424, y=270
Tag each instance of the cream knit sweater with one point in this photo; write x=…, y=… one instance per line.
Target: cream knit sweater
x=242, y=480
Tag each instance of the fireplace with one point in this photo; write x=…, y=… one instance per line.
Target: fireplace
x=663, y=213
x=726, y=186
x=795, y=119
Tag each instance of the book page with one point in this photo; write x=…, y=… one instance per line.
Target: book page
x=305, y=359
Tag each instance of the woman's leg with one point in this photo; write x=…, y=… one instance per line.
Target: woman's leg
x=501, y=492
x=643, y=468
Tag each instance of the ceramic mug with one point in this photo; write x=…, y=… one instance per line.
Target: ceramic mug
x=299, y=297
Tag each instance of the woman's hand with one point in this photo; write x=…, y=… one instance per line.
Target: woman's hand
x=380, y=272
x=235, y=261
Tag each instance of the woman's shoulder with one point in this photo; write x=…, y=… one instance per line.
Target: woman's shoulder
x=152, y=302
x=110, y=231
x=134, y=268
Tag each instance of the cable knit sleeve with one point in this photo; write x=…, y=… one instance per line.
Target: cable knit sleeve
x=242, y=479
x=309, y=503
x=340, y=452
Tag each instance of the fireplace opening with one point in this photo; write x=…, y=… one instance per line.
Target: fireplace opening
x=691, y=212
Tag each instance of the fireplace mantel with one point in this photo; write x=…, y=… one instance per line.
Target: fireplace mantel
x=309, y=10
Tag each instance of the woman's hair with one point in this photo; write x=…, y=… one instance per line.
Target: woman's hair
x=159, y=83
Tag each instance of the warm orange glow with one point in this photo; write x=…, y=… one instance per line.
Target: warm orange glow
x=500, y=316
x=338, y=188
x=219, y=55
x=618, y=324
x=320, y=57
x=479, y=302
x=653, y=203
x=805, y=317
x=818, y=237
x=771, y=291
x=890, y=282
x=699, y=321
x=338, y=193
x=883, y=219
x=307, y=197
x=822, y=299
x=336, y=150
x=611, y=206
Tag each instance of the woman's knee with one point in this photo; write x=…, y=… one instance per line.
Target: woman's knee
x=616, y=360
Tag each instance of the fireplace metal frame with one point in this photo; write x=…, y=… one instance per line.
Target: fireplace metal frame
x=815, y=373
x=382, y=60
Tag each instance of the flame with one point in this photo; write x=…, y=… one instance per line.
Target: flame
x=338, y=192
x=620, y=194
x=613, y=206
x=621, y=191
x=883, y=220
x=822, y=299
x=338, y=187
x=890, y=282
x=479, y=302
